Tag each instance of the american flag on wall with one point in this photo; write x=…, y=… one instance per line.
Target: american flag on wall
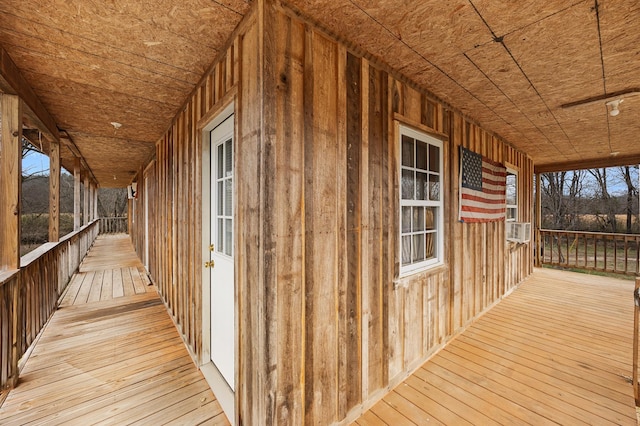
x=482, y=188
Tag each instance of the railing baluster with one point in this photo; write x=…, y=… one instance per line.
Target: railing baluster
x=114, y=225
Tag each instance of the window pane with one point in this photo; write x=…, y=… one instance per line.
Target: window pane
x=406, y=219
x=430, y=218
x=220, y=198
x=220, y=235
x=407, y=151
x=421, y=155
x=511, y=213
x=406, y=250
x=418, y=247
x=434, y=187
x=220, y=161
x=418, y=219
x=228, y=151
x=407, y=185
x=429, y=241
x=512, y=189
x=421, y=186
x=227, y=197
x=434, y=158
x=228, y=236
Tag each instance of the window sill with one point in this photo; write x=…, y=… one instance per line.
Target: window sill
x=407, y=279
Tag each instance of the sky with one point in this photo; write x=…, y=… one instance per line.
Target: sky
x=35, y=163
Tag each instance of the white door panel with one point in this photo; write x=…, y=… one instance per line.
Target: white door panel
x=222, y=273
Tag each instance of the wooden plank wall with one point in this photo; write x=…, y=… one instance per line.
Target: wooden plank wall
x=339, y=304
x=324, y=324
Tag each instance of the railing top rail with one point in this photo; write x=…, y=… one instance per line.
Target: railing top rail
x=72, y=234
x=604, y=234
x=32, y=256
x=8, y=275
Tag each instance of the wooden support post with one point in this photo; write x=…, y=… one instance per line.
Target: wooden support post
x=10, y=188
x=54, y=191
x=95, y=201
x=538, y=219
x=76, y=194
x=636, y=315
x=85, y=207
x=10, y=180
x=91, y=191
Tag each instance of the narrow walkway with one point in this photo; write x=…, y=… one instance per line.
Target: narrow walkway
x=111, y=355
x=556, y=351
x=109, y=271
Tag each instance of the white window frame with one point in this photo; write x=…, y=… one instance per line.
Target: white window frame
x=514, y=207
x=438, y=260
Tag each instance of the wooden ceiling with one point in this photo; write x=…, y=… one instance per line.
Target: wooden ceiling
x=94, y=62
x=509, y=65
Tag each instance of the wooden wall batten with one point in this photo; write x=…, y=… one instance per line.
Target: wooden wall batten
x=325, y=325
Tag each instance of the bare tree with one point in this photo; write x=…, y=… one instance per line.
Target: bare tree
x=112, y=202
x=631, y=194
x=29, y=149
x=607, y=204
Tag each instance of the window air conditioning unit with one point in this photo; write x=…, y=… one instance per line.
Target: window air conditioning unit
x=518, y=232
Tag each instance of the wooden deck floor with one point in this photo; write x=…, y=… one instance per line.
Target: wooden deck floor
x=111, y=355
x=556, y=351
x=110, y=270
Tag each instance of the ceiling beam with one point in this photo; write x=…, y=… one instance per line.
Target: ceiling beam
x=612, y=161
x=619, y=94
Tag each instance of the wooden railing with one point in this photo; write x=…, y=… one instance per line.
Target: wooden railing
x=616, y=253
x=114, y=225
x=30, y=295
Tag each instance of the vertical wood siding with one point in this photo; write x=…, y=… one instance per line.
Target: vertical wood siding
x=324, y=323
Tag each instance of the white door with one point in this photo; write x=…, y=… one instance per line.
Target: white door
x=221, y=263
x=146, y=222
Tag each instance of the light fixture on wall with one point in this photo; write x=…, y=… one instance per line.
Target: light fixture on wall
x=615, y=105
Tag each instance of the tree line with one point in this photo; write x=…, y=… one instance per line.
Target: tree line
x=598, y=200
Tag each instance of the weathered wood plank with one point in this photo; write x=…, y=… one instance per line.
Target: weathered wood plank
x=248, y=218
x=376, y=356
x=289, y=219
x=321, y=199
x=354, y=230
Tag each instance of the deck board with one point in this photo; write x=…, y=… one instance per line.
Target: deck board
x=557, y=350
x=110, y=355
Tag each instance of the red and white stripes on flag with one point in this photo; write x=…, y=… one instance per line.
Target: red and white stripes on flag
x=482, y=188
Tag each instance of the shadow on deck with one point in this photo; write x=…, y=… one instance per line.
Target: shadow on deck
x=556, y=351
x=111, y=354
